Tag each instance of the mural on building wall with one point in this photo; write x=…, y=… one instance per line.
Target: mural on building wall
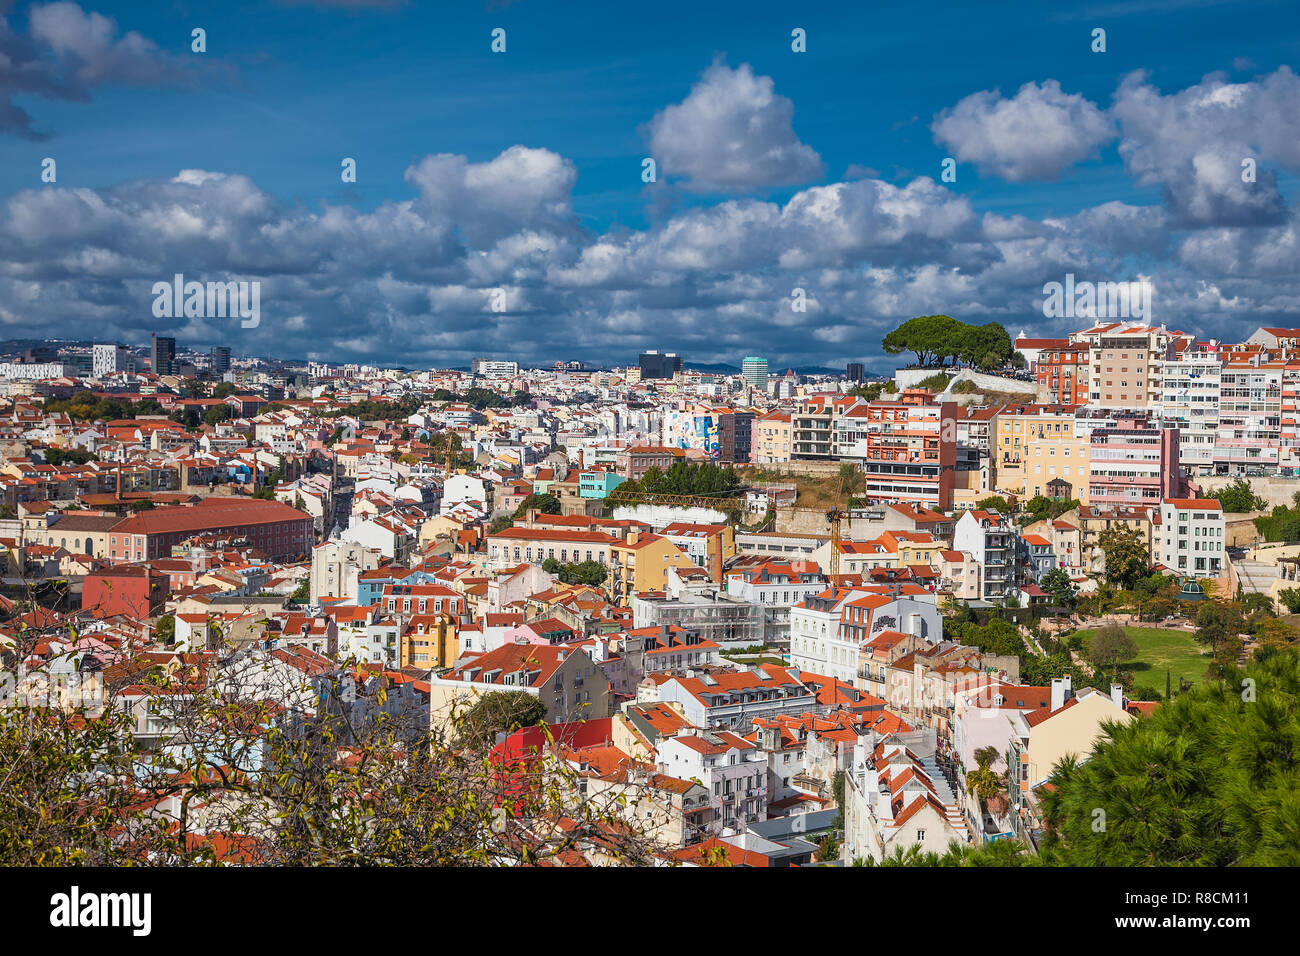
x=691, y=429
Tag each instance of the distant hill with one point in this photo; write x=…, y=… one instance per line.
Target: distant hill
x=723, y=369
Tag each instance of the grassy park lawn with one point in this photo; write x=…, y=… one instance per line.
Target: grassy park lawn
x=1160, y=649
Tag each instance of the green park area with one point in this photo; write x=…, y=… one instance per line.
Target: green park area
x=1159, y=650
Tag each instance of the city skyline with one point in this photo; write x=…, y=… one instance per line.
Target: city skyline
x=505, y=212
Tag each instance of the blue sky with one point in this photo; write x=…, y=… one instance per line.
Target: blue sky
x=1072, y=174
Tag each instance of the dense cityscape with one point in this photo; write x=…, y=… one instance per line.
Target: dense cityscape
x=503, y=436
x=649, y=614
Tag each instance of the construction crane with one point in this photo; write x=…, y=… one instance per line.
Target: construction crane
x=834, y=517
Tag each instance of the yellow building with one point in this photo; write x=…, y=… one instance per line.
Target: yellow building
x=893, y=549
x=641, y=563
x=428, y=641
x=770, y=441
x=1036, y=444
x=916, y=548
x=1044, y=738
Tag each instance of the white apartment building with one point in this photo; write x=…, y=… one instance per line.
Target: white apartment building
x=33, y=371
x=515, y=546
x=895, y=799
x=1190, y=382
x=814, y=626
x=777, y=588
x=490, y=368
x=734, y=699
x=107, y=359
x=732, y=769
x=1191, y=536
x=991, y=542
x=827, y=631
x=1249, y=439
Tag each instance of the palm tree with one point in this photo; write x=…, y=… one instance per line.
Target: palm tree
x=982, y=781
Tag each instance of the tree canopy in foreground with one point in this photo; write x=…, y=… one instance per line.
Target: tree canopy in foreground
x=1211, y=779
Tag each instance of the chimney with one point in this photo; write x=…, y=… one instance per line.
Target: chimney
x=632, y=537
x=1060, y=693
x=1117, y=695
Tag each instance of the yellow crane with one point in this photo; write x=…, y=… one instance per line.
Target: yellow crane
x=834, y=517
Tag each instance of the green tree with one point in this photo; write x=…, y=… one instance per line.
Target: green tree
x=1057, y=583
x=589, y=573
x=1218, y=626
x=871, y=391
x=499, y=712
x=935, y=339
x=216, y=414
x=1282, y=525
x=987, y=346
x=994, y=503
x=706, y=479
x=1126, y=555
x=1041, y=508
x=1207, y=780
x=282, y=785
x=164, y=629
x=851, y=478
x=547, y=504
x=1239, y=497
x=64, y=456
x=1110, y=647
x=932, y=338
x=829, y=848
x=1290, y=598
x=982, y=781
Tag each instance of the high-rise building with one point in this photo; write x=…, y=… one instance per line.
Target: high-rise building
x=107, y=359
x=656, y=365
x=855, y=372
x=220, y=360
x=754, y=370
x=490, y=368
x=162, y=355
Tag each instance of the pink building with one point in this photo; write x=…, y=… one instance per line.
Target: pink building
x=1133, y=462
